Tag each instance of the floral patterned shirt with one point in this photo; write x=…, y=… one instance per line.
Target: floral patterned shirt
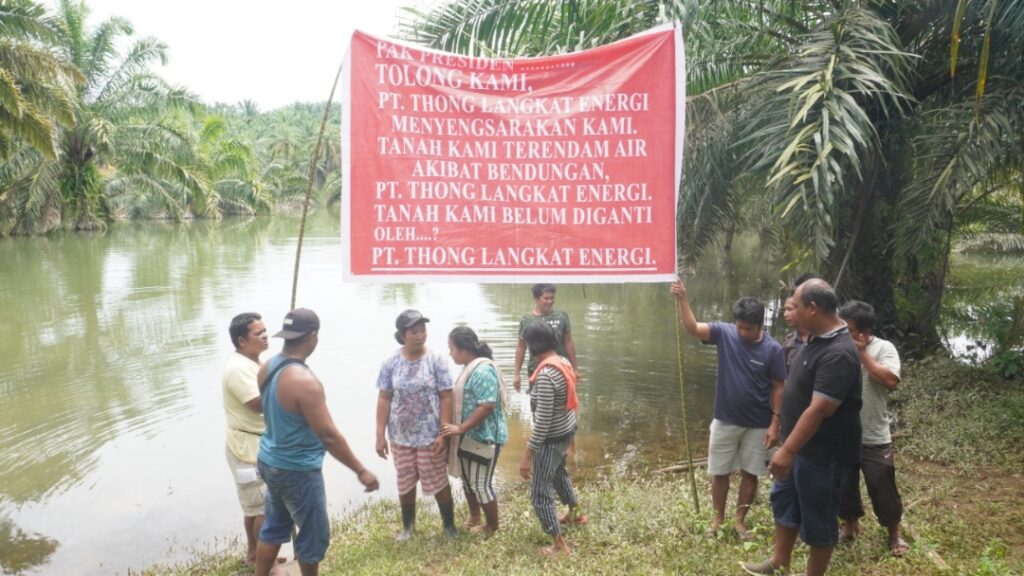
x=482, y=388
x=415, y=419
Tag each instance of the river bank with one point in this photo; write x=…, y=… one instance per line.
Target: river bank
x=959, y=437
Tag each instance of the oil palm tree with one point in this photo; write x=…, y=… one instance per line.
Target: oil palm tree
x=123, y=140
x=231, y=171
x=35, y=85
x=36, y=95
x=877, y=129
x=866, y=124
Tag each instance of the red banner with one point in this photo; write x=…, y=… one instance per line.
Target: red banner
x=559, y=169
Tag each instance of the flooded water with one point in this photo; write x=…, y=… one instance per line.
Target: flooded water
x=110, y=402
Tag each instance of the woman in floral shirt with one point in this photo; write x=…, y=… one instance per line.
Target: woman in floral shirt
x=414, y=401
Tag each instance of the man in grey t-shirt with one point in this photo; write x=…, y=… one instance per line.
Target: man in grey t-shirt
x=544, y=311
x=880, y=376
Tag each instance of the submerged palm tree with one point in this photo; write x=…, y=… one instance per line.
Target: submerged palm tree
x=867, y=125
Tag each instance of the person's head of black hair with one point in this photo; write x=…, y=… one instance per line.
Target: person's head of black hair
x=464, y=338
x=240, y=326
x=860, y=314
x=539, y=289
x=804, y=278
x=749, y=310
x=539, y=338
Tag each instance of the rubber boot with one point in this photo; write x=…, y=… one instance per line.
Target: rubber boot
x=447, y=510
x=408, y=522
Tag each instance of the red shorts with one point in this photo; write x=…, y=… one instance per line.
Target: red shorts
x=420, y=464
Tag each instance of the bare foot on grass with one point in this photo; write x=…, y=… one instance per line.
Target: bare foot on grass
x=558, y=548
x=849, y=530
x=251, y=560
x=741, y=532
x=472, y=522
x=555, y=550
x=898, y=546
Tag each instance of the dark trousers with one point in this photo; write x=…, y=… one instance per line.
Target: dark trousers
x=550, y=478
x=879, y=468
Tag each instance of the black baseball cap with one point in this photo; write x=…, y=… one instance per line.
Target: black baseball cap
x=409, y=318
x=298, y=323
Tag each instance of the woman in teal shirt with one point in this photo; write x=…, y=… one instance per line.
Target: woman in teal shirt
x=478, y=425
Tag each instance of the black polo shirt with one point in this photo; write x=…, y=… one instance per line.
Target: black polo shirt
x=828, y=366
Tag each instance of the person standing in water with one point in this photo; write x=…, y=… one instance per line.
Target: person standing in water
x=558, y=320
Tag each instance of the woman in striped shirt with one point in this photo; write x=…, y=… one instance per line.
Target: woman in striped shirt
x=553, y=403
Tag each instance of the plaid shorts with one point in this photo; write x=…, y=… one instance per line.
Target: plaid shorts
x=420, y=464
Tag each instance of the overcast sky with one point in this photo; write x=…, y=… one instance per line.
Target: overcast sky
x=274, y=53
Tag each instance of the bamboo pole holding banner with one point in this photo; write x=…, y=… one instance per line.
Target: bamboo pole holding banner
x=309, y=184
x=686, y=424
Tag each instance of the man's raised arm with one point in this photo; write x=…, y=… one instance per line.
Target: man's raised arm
x=696, y=329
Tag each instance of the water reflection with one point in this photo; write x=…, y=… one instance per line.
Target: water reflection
x=98, y=329
x=20, y=551
x=984, y=296
x=110, y=404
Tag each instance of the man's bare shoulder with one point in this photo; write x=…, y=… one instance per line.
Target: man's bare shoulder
x=300, y=380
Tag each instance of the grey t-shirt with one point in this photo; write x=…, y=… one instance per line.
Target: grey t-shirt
x=559, y=321
x=874, y=414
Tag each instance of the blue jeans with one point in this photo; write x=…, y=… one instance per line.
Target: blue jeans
x=808, y=499
x=296, y=498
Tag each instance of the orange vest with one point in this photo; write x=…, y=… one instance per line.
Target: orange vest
x=565, y=367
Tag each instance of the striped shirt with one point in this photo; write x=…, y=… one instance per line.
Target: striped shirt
x=551, y=420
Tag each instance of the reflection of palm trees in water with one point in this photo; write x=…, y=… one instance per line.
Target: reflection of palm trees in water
x=102, y=326
x=20, y=551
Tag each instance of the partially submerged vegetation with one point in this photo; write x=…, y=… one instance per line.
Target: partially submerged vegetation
x=960, y=437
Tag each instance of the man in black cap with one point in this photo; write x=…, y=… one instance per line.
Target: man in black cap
x=299, y=429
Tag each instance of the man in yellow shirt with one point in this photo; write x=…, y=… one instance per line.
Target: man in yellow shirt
x=245, y=420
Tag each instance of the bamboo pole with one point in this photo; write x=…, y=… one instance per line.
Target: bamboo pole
x=309, y=184
x=686, y=425
x=682, y=467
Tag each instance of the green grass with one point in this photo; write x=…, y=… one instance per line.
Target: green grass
x=958, y=469
x=960, y=416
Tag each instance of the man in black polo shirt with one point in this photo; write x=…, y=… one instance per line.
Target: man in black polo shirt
x=821, y=426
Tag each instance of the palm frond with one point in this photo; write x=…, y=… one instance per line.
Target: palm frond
x=1002, y=242
x=955, y=150
x=493, y=28
x=136, y=61
x=816, y=117
x=102, y=46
